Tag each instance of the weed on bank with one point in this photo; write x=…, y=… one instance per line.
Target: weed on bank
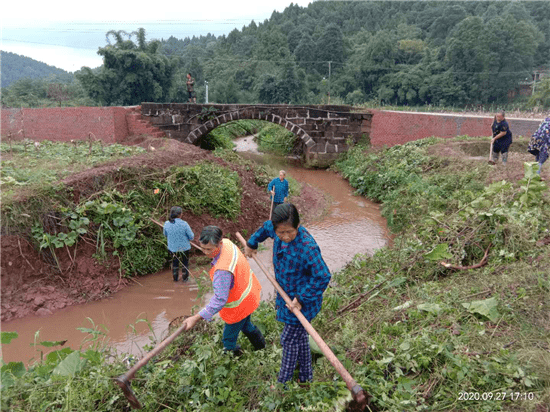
x=454, y=316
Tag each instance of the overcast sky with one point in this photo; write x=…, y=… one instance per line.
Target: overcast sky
x=67, y=34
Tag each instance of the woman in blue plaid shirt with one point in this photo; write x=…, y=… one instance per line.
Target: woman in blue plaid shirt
x=303, y=275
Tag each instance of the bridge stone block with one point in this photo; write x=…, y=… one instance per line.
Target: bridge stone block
x=331, y=148
x=321, y=129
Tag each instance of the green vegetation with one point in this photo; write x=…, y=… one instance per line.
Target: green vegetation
x=415, y=333
x=112, y=217
x=132, y=73
x=221, y=137
x=15, y=67
x=402, y=53
x=30, y=166
x=276, y=139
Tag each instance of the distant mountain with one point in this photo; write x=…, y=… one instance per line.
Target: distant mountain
x=15, y=67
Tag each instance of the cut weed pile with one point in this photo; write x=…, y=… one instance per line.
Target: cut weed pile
x=454, y=316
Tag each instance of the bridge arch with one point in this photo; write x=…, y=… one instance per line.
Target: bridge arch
x=249, y=114
x=323, y=131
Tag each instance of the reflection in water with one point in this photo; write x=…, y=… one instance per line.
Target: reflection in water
x=352, y=225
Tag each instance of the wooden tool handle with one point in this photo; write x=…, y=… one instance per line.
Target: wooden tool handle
x=159, y=348
x=350, y=382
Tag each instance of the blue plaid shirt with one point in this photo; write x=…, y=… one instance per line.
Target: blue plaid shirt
x=281, y=189
x=299, y=269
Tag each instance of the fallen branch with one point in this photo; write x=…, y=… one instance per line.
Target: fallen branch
x=483, y=262
x=477, y=294
x=356, y=303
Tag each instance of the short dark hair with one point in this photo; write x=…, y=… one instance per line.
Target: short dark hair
x=190, y=74
x=174, y=213
x=211, y=234
x=285, y=213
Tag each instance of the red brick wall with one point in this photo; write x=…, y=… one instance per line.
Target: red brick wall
x=390, y=128
x=67, y=123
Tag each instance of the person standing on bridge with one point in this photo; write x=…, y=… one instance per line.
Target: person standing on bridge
x=179, y=235
x=191, y=88
x=539, y=145
x=303, y=274
x=502, y=137
x=236, y=291
x=278, y=188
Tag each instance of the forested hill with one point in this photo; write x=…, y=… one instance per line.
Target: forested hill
x=410, y=52
x=15, y=67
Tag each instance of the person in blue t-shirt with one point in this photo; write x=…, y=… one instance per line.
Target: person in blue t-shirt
x=303, y=274
x=179, y=235
x=278, y=188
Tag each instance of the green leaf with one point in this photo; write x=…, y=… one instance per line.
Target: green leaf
x=70, y=366
x=93, y=356
x=314, y=347
x=438, y=253
x=54, y=357
x=50, y=344
x=487, y=308
x=7, y=337
x=17, y=369
x=429, y=307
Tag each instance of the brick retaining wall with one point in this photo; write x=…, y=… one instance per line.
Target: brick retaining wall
x=66, y=123
x=391, y=127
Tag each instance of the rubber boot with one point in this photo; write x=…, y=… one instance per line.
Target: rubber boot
x=175, y=273
x=504, y=158
x=495, y=157
x=256, y=339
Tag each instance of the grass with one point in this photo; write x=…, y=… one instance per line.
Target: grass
x=416, y=335
x=26, y=167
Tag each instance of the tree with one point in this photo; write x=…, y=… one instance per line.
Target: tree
x=267, y=89
x=305, y=52
x=541, y=97
x=330, y=47
x=131, y=73
x=59, y=93
x=466, y=55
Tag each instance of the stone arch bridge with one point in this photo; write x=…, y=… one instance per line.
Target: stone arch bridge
x=323, y=131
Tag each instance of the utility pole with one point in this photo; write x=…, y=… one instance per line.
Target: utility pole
x=206, y=84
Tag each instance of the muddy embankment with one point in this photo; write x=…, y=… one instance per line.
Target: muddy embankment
x=33, y=283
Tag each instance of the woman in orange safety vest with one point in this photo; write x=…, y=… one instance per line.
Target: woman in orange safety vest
x=236, y=291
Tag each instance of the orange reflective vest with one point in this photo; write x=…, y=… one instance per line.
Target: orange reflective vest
x=244, y=296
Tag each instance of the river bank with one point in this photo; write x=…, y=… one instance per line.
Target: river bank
x=453, y=315
x=151, y=302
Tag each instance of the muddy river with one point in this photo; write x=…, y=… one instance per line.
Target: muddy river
x=140, y=314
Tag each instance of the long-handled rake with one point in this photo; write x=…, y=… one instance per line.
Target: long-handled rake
x=361, y=399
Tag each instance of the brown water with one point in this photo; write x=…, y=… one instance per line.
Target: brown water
x=142, y=312
x=156, y=298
